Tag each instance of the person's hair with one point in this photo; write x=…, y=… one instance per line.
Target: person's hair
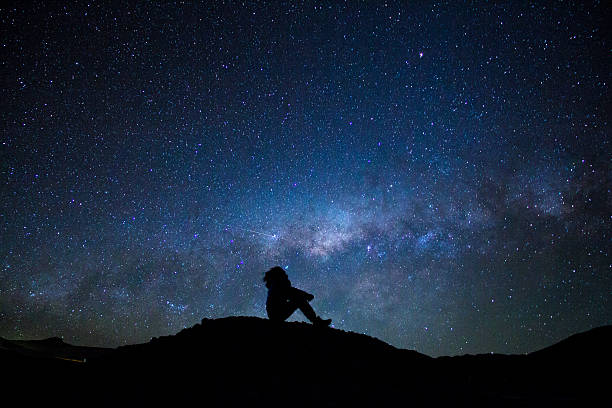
x=276, y=276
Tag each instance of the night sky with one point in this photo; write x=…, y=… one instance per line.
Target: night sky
x=438, y=174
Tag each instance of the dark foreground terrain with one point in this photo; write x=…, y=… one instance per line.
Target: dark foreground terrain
x=248, y=361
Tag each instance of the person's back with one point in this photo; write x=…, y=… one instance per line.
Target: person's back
x=277, y=300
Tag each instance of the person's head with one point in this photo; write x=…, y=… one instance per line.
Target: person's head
x=276, y=277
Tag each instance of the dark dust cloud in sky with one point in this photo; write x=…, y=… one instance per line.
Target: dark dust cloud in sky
x=438, y=175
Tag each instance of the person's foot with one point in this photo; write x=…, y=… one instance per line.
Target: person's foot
x=321, y=322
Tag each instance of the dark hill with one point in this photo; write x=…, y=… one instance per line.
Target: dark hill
x=248, y=361
x=592, y=345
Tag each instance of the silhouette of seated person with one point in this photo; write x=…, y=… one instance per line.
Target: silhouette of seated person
x=284, y=299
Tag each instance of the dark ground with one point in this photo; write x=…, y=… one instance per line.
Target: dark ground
x=248, y=361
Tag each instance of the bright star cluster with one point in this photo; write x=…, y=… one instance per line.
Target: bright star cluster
x=437, y=174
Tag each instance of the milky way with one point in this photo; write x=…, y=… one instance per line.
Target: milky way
x=438, y=175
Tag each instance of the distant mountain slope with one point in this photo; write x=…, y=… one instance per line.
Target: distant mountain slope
x=238, y=361
x=594, y=343
x=53, y=347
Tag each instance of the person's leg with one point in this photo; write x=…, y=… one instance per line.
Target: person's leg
x=280, y=311
x=298, y=293
x=285, y=311
x=307, y=310
x=302, y=303
x=298, y=299
x=312, y=316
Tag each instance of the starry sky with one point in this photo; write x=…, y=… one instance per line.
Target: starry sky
x=437, y=174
